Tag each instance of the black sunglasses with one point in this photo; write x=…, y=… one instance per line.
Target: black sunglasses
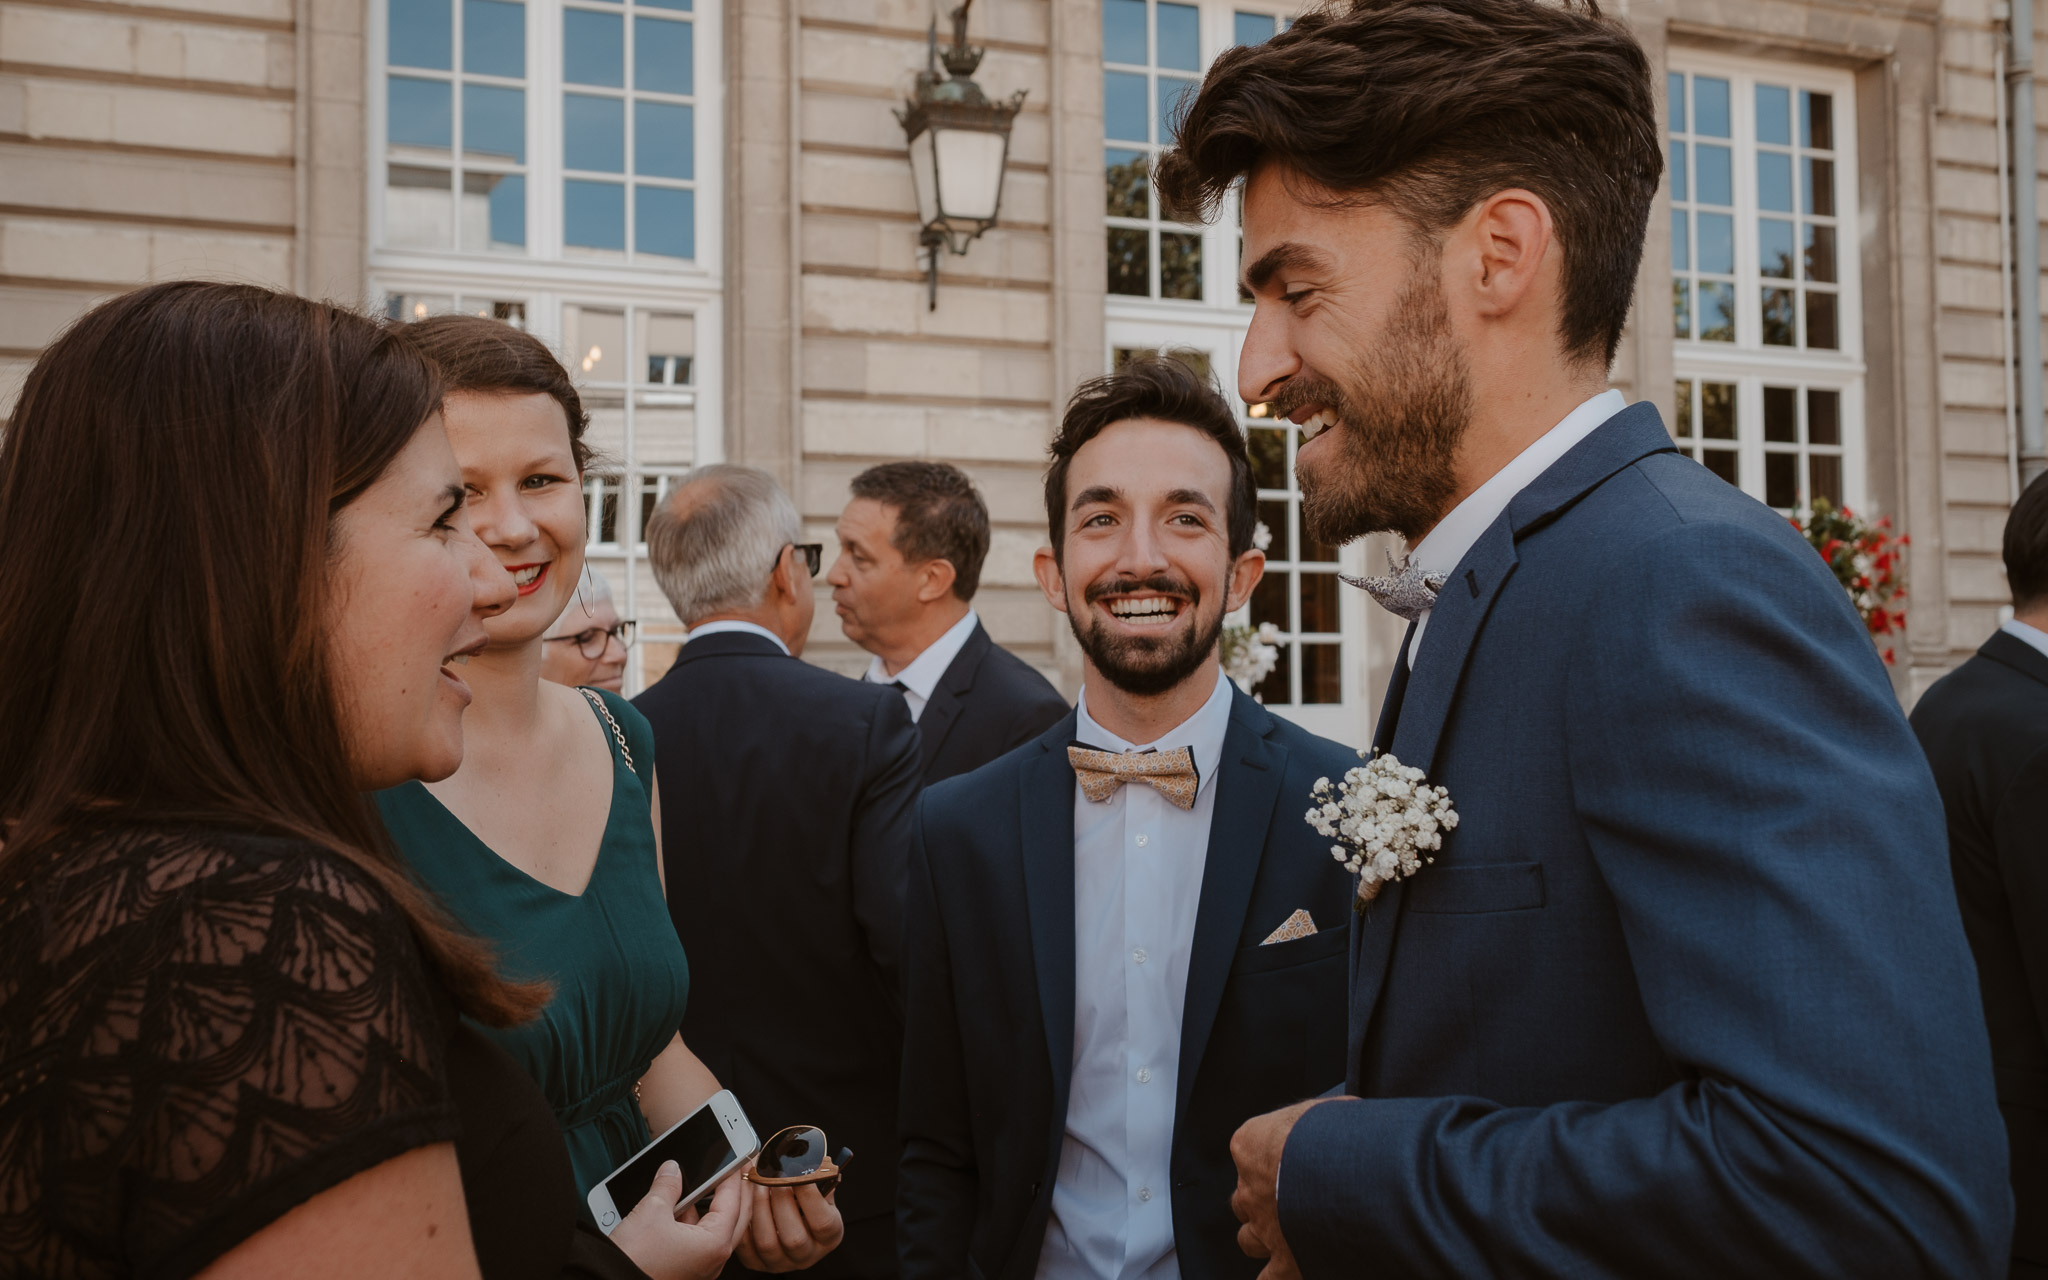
x=813, y=554
x=795, y=1157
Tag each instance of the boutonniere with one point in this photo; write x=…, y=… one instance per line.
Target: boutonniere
x=1386, y=820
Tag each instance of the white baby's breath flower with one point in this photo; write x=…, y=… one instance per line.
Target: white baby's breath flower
x=1387, y=818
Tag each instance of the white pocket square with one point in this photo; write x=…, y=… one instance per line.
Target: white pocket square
x=1298, y=925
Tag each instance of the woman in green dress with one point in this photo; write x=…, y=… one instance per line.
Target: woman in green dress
x=544, y=841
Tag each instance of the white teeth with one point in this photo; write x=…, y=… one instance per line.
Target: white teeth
x=460, y=659
x=526, y=577
x=1316, y=425
x=1142, y=607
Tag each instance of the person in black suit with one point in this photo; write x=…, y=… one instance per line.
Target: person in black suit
x=1984, y=727
x=911, y=545
x=1117, y=954
x=786, y=796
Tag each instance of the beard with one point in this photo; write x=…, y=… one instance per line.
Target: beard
x=1401, y=413
x=1146, y=665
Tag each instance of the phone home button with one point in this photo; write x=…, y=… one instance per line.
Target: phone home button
x=608, y=1219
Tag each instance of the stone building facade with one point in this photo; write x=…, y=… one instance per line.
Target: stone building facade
x=708, y=209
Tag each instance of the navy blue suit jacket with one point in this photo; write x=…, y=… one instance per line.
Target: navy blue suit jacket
x=989, y=966
x=990, y=701
x=1686, y=993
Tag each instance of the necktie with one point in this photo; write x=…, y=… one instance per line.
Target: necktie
x=1408, y=593
x=1171, y=773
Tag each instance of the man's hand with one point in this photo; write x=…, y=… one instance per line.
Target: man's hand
x=1256, y=1147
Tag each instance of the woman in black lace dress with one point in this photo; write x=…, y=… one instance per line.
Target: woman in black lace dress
x=236, y=592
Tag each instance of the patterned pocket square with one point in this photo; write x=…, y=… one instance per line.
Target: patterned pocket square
x=1298, y=925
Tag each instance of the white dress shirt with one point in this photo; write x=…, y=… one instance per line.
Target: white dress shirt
x=921, y=677
x=2032, y=635
x=1444, y=546
x=1138, y=863
x=734, y=624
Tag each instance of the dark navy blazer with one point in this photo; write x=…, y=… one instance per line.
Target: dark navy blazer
x=989, y=965
x=1686, y=993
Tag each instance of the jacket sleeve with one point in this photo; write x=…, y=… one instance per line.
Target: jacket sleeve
x=1774, y=845
x=936, y=1183
x=880, y=843
x=2019, y=832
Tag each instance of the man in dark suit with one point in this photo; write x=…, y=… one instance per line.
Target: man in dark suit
x=786, y=805
x=911, y=543
x=1685, y=993
x=1985, y=729
x=1120, y=949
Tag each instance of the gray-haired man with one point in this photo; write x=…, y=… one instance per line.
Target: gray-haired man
x=787, y=795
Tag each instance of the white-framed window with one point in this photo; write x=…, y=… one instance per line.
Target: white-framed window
x=1765, y=277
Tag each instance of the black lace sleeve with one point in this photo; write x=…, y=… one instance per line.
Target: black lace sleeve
x=198, y=1031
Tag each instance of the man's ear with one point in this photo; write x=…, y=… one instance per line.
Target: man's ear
x=934, y=580
x=1509, y=240
x=1051, y=581
x=1244, y=575
x=782, y=578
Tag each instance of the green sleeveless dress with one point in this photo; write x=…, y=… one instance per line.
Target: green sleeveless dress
x=620, y=978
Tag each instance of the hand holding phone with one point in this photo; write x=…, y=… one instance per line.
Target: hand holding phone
x=708, y=1144
x=665, y=1237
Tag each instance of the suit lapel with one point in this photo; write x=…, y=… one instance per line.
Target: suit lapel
x=943, y=707
x=2009, y=650
x=1247, y=784
x=1047, y=806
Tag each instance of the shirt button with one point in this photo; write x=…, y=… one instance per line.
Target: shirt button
x=1141, y=841
x=1139, y=955
x=1144, y=1075
x=1145, y=1194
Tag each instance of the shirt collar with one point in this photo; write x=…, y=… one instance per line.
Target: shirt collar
x=1203, y=731
x=925, y=671
x=735, y=624
x=1454, y=535
x=2027, y=634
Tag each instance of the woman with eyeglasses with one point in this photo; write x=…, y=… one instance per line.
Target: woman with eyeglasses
x=229, y=1032
x=544, y=841
x=587, y=646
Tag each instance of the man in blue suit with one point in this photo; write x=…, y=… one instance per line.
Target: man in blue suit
x=1686, y=992
x=1123, y=939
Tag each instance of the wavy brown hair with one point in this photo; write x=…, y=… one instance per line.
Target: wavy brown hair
x=168, y=489
x=479, y=354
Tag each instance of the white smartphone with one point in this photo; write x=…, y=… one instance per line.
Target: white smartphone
x=708, y=1144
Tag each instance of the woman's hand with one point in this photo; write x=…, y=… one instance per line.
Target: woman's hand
x=668, y=1246
x=792, y=1228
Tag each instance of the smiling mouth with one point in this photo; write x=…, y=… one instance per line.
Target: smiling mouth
x=528, y=577
x=1316, y=423
x=1144, y=610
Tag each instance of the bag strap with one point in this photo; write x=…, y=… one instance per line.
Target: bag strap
x=617, y=732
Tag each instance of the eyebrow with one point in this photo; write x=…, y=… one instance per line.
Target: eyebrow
x=1282, y=257
x=1191, y=498
x=1094, y=494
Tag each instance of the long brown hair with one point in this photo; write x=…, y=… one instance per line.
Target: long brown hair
x=168, y=487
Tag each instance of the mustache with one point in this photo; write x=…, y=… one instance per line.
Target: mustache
x=1298, y=393
x=1158, y=584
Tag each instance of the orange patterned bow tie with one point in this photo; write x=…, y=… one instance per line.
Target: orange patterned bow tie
x=1171, y=773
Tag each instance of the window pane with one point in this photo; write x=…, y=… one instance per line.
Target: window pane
x=1268, y=448
x=1823, y=417
x=1123, y=31
x=1774, y=247
x=1817, y=121
x=595, y=341
x=1681, y=241
x=1273, y=514
x=421, y=112
x=1820, y=253
x=665, y=222
x=594, y=214
x=1723, y=463
x=1269, y=598
x=494, y=122
x=1781, y=415
x=1820, y=186
x=1717, y=311
x=419, y=211
x=1123, y=106
x=1781, y=480
x=1320, y=552
x=1710, y=106
x=1322, y=673
x=1774, y=181
x=593, y=133
x=405, y=307
x=1175, y=96
x=1820, y=321
x=594, y=48
x=661, y=55
x=1715, y=172
x=1826, y=469
x=494, y=38
x=1717, y=410
x=1124, y=184
x=1180, y=36
x=493, y=211
x=664, y=140
x=1129, y=272
x=681, y=6
x=1681, y=427
x=422, y=34
x=1779, y=318
x=1252, y=28
x=1681, y=308
x=1180, y=265
x=1774, y=114
x=1319, y=602
x=1276, y=690
x=1674, y=91
x=1678, y=168
x=1717, y=243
